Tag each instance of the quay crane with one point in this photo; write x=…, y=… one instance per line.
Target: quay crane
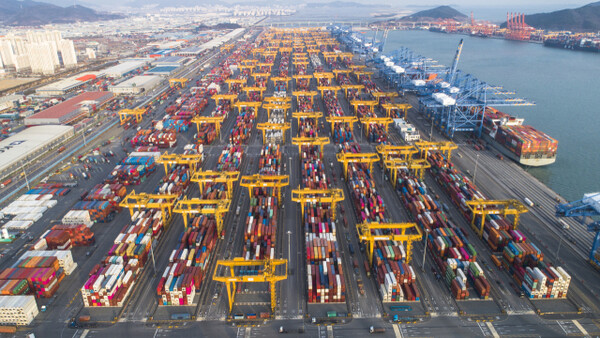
x=589, y=206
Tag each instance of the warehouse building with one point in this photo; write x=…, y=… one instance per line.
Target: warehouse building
x=124, y=68
x=136, y=85
x=170, y=61
x=32, y=142
x=162, y=70
x=60, y=87
x=190, y=51
x=18, y=310
x=70, y=110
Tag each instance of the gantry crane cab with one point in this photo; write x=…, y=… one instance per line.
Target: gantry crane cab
x=272, y=271
x=495, y=207
x=265, y=181
x=365, y=233
x=306, y=195
x=141, y=201
x=345, y=158
x=193, y=206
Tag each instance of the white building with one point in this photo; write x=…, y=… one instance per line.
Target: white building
x=67, y=50
x=40, y=58
x=136, y=85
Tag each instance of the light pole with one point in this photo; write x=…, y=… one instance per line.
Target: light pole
x=152, y=254
x=289, y=233
x=431, y=130
x=565, y=227
x=25, y=174
x=424, y=250
x=475, y=171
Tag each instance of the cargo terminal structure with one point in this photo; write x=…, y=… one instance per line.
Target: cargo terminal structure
x=285, y=201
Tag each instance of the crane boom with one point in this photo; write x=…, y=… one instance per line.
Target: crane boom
x=455, y=63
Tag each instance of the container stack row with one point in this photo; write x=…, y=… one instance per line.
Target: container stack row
x=522, y=259
x=132, y=170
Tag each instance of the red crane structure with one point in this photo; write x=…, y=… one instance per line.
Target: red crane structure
x=516, y=27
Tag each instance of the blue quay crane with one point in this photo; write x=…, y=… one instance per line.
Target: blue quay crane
x=588, y=206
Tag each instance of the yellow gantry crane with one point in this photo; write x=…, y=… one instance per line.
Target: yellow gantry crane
x=250, y=104
x=401, y=107
x=253, y=89
x=277, y=100
x=216, y=120
x=368, y=121
x=182, y=82
x=365, y=233
x=138, y=112
x=210, y=176
x=265, y=64
x=389, y=151
x=341, y=71
x=310, y=141
x=369, y=103
x=257, y=75
x=273, y=126
x=346, y=88
x=142, y=201
x=341, y=119
x=227, y=47
x=324, y=89
x=265, y=181
x=328, y=56
x=361, y=73
x=307, y=115
x=268, y=274
x=276, y=106
x=379, y=95
x=444, y=147
x=495, y=207
x=227, y=97
x=284, y=79
x=191, y=160
x=306, y=195
x=310, y=94
x=188, y=207
x=345, y=158
x=302, y=77
x=324, y=75
x=240, y=82
x=395, y=164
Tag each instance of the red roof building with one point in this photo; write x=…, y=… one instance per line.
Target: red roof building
x=70, y=110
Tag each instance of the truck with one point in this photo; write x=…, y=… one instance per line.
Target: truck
x=374, y=329
x=84, y=318
x=5, y=183
x=360, y=285
x=528, y=202
x=180, y=316
x=61, y=149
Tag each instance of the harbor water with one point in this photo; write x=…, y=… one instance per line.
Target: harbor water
x=564, y=85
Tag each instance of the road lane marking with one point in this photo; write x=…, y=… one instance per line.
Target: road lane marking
x=397, y=331
x=492, y=329
x=580, y=327
x=560, y=324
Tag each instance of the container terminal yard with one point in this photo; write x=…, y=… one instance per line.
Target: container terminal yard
x=290, y=181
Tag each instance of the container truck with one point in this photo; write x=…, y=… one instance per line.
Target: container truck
x=374, y=329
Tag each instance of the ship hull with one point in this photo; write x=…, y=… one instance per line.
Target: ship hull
x=532, y=162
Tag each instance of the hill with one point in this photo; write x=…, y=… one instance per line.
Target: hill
x=441, y=12
x=218, y=26
x=582, y=19
x=337, y=4
x=33, y=13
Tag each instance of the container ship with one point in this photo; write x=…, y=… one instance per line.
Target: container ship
x=523, y=144
x=583, y=44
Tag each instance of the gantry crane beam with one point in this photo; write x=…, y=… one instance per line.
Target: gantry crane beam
x=341, y=71
x=216, y=120
x=302, y=77
x=142, y=201
x=265, y=181
x=379, y=95
x=306, y=195
x=209, y=176
x=495, y=207
x=368, y=121
x=310, y=94
x=418, y=165
x=360, y=73
x=181, y=81
x=251, y=61
x=365, y=233
x=258, y=75
x=193, y=206
x=444, y=147
x=307, y=115
x=277, y=99
x=273, y=126
x=345, y=158
x=228, y=97
x=268, y=274
x=191, y=160
x=265, y=64
x=389, y=151
x=324, y=75
x=240, y=82
x=310, y=141
x=276, y=79
x=138, y=112
x=276, y=106
x=250, y=104
x=248, y=67
x=402, y=107
x=249, y=90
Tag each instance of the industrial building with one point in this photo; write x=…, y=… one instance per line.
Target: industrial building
x=162, y=70
x=170, y=61
x=124, y=68
x=71, y=109
x=18, y=310
x=67, y=85
x=218, y=41
x=29, y=144
x=190, y=51
x=136, y=85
